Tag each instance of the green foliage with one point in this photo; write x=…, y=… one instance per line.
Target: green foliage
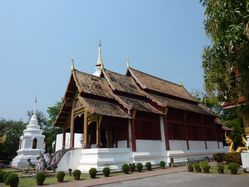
x=148, y=166
x=76, y=174
x=5, y=176
x=1, y=176
x=162, y=164
x=139, y=167
x=60, y=176
x=132, y=167
x=125, y=168
x=106, y=171
x=233, y=158
x=93, y=172
x=12, y=130
x=190, y=167
x=205, y=166
x=12, y=179
x=225, y=61
x=233, y=167
x=53, y=111
x=197, y=167
x=219, y=157
x=220, y=168
x=40, y=178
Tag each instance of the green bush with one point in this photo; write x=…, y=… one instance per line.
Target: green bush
x=190, y=167
x=139, y=167
x=40, y=178
x=148, y=166
x=233, y=157
x=76, y=174
x=205, y=166
x=132, y=167
x=219, y=157
x=220, y=168
x=106, y=172
x=1, y=176
x=5, y=176
x=93, y=172
x=12, y=180
x=197, y=167
x=60, y=176
x=233, y=167
x=162, y=164
x=125, y=168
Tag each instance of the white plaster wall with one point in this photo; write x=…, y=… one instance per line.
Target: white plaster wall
x=149, y=145
x=196, y=145
x=77, y=141
x=221, y=145
x=178, y=145
x=212, y=145
x=122, y=144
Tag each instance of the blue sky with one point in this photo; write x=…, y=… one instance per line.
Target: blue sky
x=38, y=39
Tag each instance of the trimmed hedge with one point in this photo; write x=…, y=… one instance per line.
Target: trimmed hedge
x=76, y=174
x=220, y=168
x=1, y=176
x=148, y=166
x=40, y=178
x=162, y=164
x=106, y=171
x=60, y=176
x=12, y=180
x=205, y=166
x=125, y=168
x=233, y=167
x=5, y=176
x=93, y=172
x=139, y=167
x=190, y=167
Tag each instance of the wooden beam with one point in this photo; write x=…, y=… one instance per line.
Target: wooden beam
x=72, y=127
x=97, y=131
x=133, y=132
x=85, y=141
x=64, y=138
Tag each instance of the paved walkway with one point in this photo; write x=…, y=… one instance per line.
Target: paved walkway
x=120, y=178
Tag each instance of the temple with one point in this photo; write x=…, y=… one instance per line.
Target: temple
x=110, y=119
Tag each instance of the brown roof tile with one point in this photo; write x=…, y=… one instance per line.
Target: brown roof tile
x=149, y=82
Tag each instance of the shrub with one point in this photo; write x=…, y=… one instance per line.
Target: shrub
x=233, y=167
x=106, y=171
x=40, y=178
x=162, y=164
x=220, y=168
x=205, y=166
x=139, y=167
x=93, y=172
x=60, y=176
x=76, y=174
x=132, y=167
x=12, y=180
x=5, y=176
x=125, y=168
x=197, y=167
x=233, y=157
x=1, y=176
x=190, y=167
x=148, y=166
x=219, y=157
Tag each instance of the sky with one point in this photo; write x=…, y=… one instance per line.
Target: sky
x=38, y=39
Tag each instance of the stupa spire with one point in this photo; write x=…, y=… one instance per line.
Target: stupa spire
x=100, y=64
x=35, y=106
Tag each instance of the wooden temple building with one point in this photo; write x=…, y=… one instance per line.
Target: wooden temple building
x=130, y=118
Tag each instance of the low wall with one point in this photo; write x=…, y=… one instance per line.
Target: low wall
x=149, y=145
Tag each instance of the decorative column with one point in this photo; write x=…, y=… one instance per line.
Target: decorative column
x=133, y=132
x=72, y=126
x=162, y=133
x=205, y=136
x=97, y=131
x=166, y=130
x=85, y=141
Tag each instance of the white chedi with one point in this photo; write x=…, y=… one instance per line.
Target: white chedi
x=31, y=144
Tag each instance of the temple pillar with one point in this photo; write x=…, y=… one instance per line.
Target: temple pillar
x=129, y=134
x=166, y=132
x=97, y=134
x=85, y=134
x=204, y=133
x=72, y=126
x=162, y=133
x=186, y=129
x=64, y=138
x=133, y=133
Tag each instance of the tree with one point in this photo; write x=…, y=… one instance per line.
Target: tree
x=225, y=61
x=12, y=130
x=53, y=111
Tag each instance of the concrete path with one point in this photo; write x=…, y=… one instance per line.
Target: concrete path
x=120, y=178
x=186, y=179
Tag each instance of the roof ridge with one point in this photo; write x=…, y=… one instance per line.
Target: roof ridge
x=156, y=77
